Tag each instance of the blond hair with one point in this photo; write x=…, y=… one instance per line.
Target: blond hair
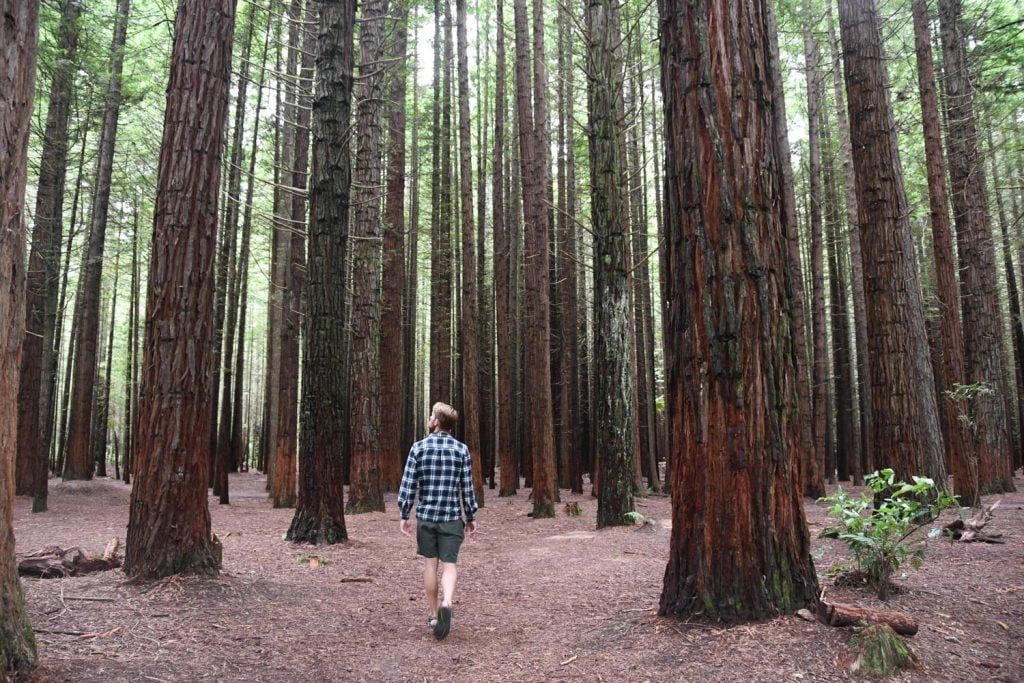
x=446, y=416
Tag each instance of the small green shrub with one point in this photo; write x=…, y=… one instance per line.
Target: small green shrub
x=879, y=537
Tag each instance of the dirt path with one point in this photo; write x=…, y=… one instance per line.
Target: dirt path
x=544, y=600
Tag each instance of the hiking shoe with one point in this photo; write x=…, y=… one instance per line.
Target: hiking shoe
x=444, y=623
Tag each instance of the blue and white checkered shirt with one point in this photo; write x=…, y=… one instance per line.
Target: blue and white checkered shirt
x=440, y=466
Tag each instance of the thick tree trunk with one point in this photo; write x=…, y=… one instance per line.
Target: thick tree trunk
x=740, y=549
x=169, y=520
x=957, y=437
x=411, y=413
x=612, y=334
x=366, y=492
x=503, y=283
x=320, y=512
x=18, y=40
x=79, y=462
x=43, y=276
x=393, y=386
x=984, y=357
x=905, y=418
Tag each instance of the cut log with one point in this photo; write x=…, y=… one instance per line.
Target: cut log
x=970, y=530
x=840, y=614
x=54, y=562
x=879, y=653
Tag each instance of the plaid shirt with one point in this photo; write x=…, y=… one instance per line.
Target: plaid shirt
x=440, y=466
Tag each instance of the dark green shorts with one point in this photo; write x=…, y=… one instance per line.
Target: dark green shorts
x=440, y=539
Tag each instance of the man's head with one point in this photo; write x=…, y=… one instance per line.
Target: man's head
x=443, y=417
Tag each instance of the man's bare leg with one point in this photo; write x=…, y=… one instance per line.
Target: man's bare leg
x=448, y=577
x=430, y=584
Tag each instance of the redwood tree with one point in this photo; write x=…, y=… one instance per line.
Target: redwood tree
x=905, y=418
x=169, y=519
x=320, y=512
x=740, y=548
x=18, y=39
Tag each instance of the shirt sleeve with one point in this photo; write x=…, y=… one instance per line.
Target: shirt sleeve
x=468, y=495
x=407, y=490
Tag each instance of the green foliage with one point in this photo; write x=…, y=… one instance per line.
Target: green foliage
x=878, y=536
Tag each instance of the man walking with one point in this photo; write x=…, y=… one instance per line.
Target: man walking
x=439, y=467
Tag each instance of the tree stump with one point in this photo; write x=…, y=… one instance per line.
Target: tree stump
x=54, y=562
x=971, y=529
x=878, y=652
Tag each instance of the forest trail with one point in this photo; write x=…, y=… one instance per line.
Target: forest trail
x=538, y=600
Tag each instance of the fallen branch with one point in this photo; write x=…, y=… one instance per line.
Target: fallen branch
x=55, y=562
x=970, y=530
x=840, y=614
x=356, y=579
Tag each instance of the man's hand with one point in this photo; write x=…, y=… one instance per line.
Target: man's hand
x=405, y=526
x=471, y=528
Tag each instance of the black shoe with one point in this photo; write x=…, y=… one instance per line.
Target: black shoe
x=444, y=623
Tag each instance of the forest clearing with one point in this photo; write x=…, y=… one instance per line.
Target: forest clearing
x=539, y=600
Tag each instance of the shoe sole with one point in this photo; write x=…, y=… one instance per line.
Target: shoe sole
x=444, y=623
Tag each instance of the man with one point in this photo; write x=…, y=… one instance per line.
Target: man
x=440, y=468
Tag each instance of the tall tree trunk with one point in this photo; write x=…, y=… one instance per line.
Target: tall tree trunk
x=812, y=485
x=169, y=520
x=905, y=418
x=860, y=314
x=470, y=313
x=392, y=384
x=984, y=357
x=79, y=463
x=43, y=275
x=825, y=459
x=18, y=40
x=99, y=428
x=130, y=387
x=503, y=283
x=366, y=492
x=613, y=335
x=740, y=549
x=410, y=377
x=532, y=123
x=956, y=437
x=441, y=252
x=320, y=512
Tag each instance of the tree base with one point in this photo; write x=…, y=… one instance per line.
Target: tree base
x=307, y=528
x=878, y=652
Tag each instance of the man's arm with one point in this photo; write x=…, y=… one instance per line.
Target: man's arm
x=407, y=491
x=468, y=495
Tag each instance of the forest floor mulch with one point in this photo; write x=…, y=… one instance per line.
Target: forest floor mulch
x=537, y=600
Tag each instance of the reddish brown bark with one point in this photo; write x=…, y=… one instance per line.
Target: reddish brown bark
x=740, y=549
x=947, y=289
x=984, y=357
x=18, y=40
x=169, y=520
x=905, y=415
x=43, y=275
x=320, y=513
x=392, y=384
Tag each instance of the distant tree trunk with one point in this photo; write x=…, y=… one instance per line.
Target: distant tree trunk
x=957, y=438
x=440, y=221
x=131, y=389
x=99, y=430
x=503, y=284
x=17, y=83
x=43, y=276
x=320, y=512
x=794, y=272
x=740, y=549
x=79, y=463
x=905, y=417
x=825, y=459
x=169, y=520
x=392, y=384
x=612, y=334
x=411, y=414
x=860, y=315
x=470, y=313
x=569, y=449
x=366, y=492
x=984, y=357
x=1013, y=292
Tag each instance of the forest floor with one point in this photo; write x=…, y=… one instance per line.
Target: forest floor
x=537, y=600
